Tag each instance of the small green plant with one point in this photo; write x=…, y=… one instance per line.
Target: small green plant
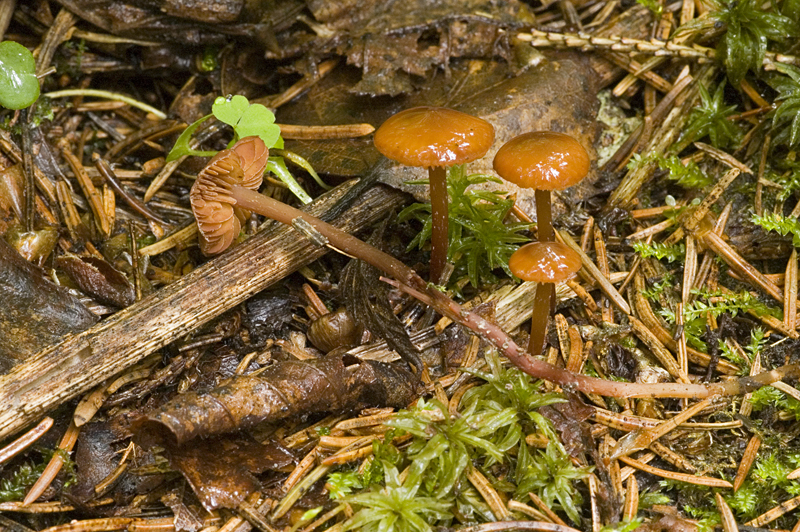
x=653, y=293
x=486, y=433
x=247, y=119
x=757, y=341
x=395, y=508
x=659, y=250
x=780, y=224
x=480, y=242
x=15, y=487
x=445, y=445
x=715, y=303
x=749, y=27
x=625, y=526
x=710, y=118
x=769, y=396
x=786, y=118
x=19, y=86
x=549, y=473
x=655, y=7
x=384, y=454
x=686, y=175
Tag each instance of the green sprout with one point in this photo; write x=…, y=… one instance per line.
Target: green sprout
x=686, y=175
x=17, y=485
x=19, y=87
x=786, y=118
x=549, y=473
x=395, y=508
x=710, y=118
x=247, y=120
x=480, y=241
x=659, y=250
x=716, y=303
x=444, y=445
x=780, y=224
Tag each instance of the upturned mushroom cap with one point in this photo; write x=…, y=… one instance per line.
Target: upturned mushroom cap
x=434, y=136
x=254, y=155
x=218, y=220
x=545, y=262
x=542, y=160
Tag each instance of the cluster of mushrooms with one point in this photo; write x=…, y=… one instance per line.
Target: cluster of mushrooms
x=437, y=138
x=434, y=138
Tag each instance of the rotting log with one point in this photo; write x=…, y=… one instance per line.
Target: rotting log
x=72, y=367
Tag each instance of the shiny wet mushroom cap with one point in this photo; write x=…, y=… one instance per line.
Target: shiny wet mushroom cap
x=434, y=137
x=545, y=262
x=543, y=160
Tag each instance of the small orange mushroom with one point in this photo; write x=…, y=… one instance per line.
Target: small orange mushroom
x=545, y=263
x=435, y=138
x=213, y=194
x=543, y=161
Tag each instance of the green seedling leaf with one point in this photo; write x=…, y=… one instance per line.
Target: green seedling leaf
x=19, y=87
x=304, y=164
x=258, y=120
x=230, y=110
x=248, y=119
x=277, y=166
x=182, y=146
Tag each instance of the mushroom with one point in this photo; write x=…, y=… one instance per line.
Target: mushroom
x=435, y=138
x=544, y=161
x=213, y=194
x=544, y=263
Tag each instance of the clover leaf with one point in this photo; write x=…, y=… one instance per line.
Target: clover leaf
x=19, y=87
x=248, y=119
x=230, y=110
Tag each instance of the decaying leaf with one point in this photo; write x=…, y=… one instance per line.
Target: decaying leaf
x=222, y=471
x=35, y=312
x=392, y=42
x=99, y=279
x=557, y=95
x=284, y=390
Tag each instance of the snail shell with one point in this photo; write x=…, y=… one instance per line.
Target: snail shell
x=333, y=330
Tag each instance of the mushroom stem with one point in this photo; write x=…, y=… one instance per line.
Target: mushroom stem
x=539, y=318
x=545, y=300
x=583, y=383
x=348, y=244
x=411, y=283
x=544, y=216
x=439, y=222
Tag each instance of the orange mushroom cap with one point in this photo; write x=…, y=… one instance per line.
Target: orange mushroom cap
x=434, y=136
x=542, y=160
x=545, y=262
x=218, y=220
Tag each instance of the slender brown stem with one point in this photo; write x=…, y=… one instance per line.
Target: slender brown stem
x=410, y=282
x=544, y=216
x=271, y=208
x=545, y=304
x=439, y=220
x=539, y=318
